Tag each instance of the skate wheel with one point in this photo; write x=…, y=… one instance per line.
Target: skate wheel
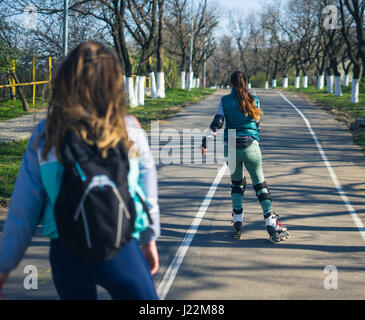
x=276, y=238
x=285, y=235
x=237, y=235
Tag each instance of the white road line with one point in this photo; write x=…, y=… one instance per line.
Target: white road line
x=332, y=173
x=165, y=284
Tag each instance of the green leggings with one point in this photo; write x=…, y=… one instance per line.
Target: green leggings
x=251, y=158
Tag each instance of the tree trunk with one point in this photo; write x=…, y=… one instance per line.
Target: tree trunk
x=21, y=92
x=160, y=38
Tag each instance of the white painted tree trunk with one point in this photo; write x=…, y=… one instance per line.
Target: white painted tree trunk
x=182, y=80
x=330, y=79
x=130, y=90
x=249, y=85
x=161, y=85
x=153, y=85
x=285, y=82
x=338, y=91
x=136, y=85
x=305, y=82
x=320, y=82
x=141, y=90
x=346, y=80
x=266, y=84
x=355, y=91
x=297, y=82
x=197, y=83
x=273, y=83
x=190, y=80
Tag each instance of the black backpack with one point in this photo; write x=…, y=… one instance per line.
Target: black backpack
x=94, y=211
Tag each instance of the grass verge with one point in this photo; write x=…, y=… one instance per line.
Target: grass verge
x=11, y=154
x=12, y=109
x=340, y=107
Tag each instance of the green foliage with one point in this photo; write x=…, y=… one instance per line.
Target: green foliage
x=7, y=54
x=11, y=155
x=172, y=75
x=7, y=51
x=258, y=80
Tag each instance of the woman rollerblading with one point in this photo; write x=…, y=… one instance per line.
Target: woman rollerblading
x=241, y=111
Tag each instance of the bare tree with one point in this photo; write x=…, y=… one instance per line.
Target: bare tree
x=354, y=46
x=205, y=20
x=160, y=50
x=8, y=52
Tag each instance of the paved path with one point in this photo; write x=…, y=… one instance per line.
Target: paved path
x=211, y=264
x=323, y=232
x=21, y=127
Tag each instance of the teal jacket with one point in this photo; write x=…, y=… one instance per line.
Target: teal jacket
x=235, y=119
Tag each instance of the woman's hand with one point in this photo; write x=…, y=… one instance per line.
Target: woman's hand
x=3, y=279
x=204, y=151
x=150, y=253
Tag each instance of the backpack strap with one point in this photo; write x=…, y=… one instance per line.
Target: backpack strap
x=145, y=207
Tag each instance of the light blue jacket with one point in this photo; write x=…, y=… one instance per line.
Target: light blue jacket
x=37, y=188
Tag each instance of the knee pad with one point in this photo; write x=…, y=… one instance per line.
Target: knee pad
x=262, y=192
x=239, y=186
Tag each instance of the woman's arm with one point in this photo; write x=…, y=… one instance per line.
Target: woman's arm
x=25, y=208
x=216, y=124
x=148, y=183
x=147, y=178
x=149, y=186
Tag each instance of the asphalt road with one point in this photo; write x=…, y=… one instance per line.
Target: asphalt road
x=319, y=196
x=324, y=237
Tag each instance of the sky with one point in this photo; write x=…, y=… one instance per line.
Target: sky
x=242, y=4
x=246, y=6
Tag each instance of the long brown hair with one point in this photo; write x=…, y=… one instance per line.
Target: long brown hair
x=245, y=99
x=88, y=97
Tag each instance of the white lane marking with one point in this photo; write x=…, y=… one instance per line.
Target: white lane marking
x=332, y=173
x=166, y=282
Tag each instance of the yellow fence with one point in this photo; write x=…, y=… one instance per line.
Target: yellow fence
x=34, y=82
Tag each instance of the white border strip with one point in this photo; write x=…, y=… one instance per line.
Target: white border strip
x=166, y=282
x=331, y=172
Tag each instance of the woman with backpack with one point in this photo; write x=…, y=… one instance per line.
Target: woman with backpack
x=241, y=111
x=88, y=177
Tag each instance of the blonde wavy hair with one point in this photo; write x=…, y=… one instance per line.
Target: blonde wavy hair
x=88, y=97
